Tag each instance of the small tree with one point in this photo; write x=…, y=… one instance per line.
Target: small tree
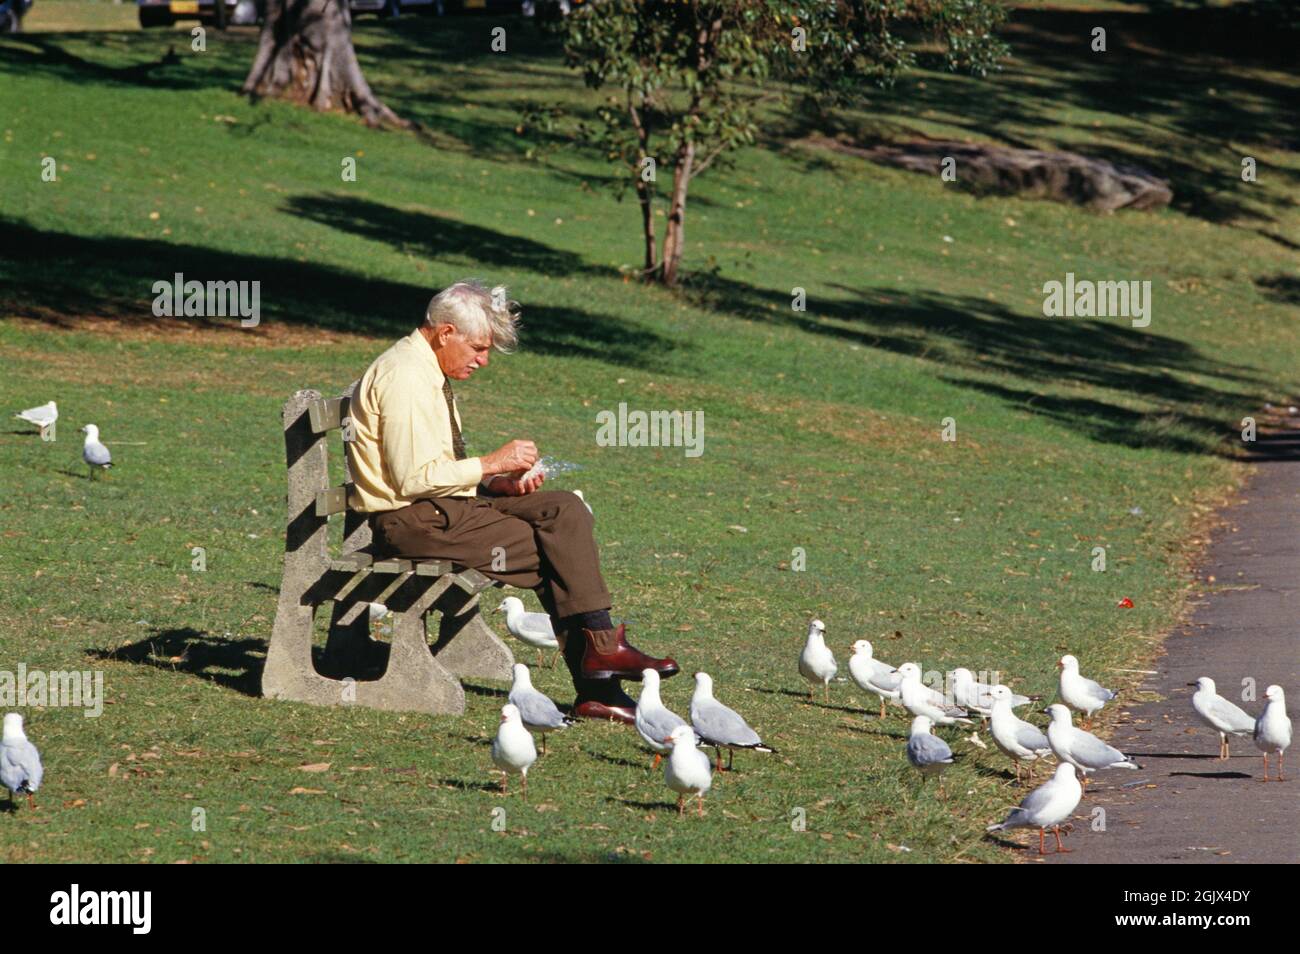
x=683, y=74
x=304, y=53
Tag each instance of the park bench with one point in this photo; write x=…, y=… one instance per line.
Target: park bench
x=415, y=676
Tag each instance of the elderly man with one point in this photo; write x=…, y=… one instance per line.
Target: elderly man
x=428, y=500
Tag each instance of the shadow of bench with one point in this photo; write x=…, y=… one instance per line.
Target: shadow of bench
x=417, y=677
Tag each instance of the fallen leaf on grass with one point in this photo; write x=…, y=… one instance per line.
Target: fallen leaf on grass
x=299, y=790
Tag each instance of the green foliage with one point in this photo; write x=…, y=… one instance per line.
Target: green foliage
x=682, y=75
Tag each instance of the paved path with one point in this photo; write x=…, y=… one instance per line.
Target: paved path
x=1199, y=809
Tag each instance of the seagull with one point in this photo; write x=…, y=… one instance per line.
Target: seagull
x=1272, y=728
x=978, y=695
x=1220, y=714
x=513, y=750
x=873, y=675
x=1018, y=739
x=93, y=452
x=535, y=629
x=926, y=751
x=718, y=726
x=1082, y=749
x=686, y=770
x=537, y=712
x=1046, y=807
x=43, y=417
x=921, y=700
x=654, y=722
x=816, y=664
x=1079, y=693
x=20, y=764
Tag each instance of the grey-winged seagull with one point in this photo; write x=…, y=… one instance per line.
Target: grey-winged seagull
x=535, y=629
x=686, y=770
x=816, y=663
x=1083, y=695
x=920, y=700
x=20, y=764
x=1273, y=729
x=536, y=710
x=43, y=416
x=654, y=721
x=1046, y=807
x=1219, y=714
x=926, y=751
x=719, y=726
x=513, y=751
x=94, y=453
x=1082, y=749
x=1021, y=741
x=873, y=675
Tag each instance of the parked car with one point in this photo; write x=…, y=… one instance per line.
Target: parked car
x=12, y=13
x=166, y=12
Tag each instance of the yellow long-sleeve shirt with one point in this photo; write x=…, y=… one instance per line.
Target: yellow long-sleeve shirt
x=401, y=449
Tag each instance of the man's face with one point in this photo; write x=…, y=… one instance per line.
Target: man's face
x=459, y=356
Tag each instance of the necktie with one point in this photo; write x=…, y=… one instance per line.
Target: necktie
x=457, y=442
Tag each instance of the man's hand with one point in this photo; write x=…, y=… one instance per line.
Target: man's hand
x=512, y=457
x=509, y=485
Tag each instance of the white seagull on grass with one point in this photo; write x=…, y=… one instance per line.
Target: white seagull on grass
x=536, y=710
x=1082, y=749
x=1046, y=807
x=654, y=721
x=20, y=764
x=686, y=770
x=535, y=629
x=94, y=453
x=718, y=726
x=873, y=675
x=513, y=751
x=1079, y=693
x=926, y=751
x=920, y=700
x=1021, y=741
x=43, y=416
x=816, y=664
x=978, y=696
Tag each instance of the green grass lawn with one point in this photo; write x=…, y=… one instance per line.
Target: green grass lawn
x=822, y=428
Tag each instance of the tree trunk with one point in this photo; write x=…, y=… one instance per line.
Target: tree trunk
x=675, y=234
x=305, y=54
x=644, y=189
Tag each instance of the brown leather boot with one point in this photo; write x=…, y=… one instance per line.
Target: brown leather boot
x=608, y=656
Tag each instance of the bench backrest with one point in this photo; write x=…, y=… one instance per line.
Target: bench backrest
x=309, y=419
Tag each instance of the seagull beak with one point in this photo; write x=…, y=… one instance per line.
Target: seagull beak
x=1191, y=683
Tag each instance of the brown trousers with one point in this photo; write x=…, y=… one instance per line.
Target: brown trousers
x=541, y=541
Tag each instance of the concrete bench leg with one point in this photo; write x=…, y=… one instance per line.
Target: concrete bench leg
x=466, y=644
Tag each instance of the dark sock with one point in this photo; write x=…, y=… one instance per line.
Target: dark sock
x=593, y=621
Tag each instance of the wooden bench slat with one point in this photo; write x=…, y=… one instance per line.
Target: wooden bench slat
x=432, y=568
x=331, y=501
x=392, y=566
x=326, y=414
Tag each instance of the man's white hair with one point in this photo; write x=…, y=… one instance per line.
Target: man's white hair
x=475, y=311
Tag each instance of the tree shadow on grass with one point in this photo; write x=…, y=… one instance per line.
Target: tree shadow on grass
x=59, y=278
x=235, y=663
x=1146, y=389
